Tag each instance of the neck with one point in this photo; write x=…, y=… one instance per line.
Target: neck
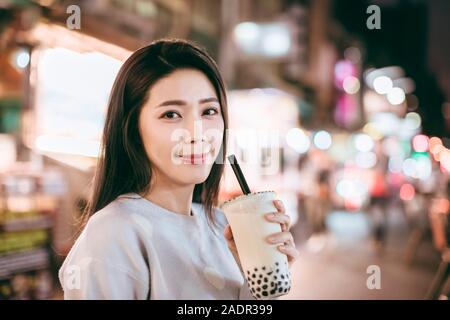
x=174, y=197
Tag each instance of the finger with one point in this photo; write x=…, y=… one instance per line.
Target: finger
x=228, y=233
x=279, y=205
x=281, y=237
x=282, y=210
x=291, y=252
x=282, y=219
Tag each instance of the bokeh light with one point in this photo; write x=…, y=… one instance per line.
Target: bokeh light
x=396, y=96
x=382, y=84
x=322, y=140
x=298, y=140
x=407, y=192
x=413, y=120
x=434, y=142
x=420, y=143
x=363, y=142
x=351, y=85
x=22, y=58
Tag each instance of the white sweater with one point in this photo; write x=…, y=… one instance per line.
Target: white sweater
x=135, y=249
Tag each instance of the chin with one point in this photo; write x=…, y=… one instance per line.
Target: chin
x=185, y=177
x=195, y=179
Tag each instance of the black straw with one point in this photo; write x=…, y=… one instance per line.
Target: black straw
x=239, y=175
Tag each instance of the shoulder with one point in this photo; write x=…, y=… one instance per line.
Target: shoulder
x=110, y=234
x=109, y=242
x=113, y=218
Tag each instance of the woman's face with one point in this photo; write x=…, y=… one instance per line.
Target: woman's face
x=182, y=127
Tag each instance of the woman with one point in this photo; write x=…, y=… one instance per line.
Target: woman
x=155, y=233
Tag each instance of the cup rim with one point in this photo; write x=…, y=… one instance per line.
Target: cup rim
x=243, y=195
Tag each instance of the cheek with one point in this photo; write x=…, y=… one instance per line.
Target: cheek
x=156, y=140
x=215, y=131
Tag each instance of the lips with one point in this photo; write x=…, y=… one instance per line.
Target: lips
x=194, y=158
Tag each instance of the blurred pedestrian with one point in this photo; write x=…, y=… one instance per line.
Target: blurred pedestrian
x=318, y=209
x=379, y=197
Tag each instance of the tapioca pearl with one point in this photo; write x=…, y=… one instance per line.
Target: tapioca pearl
x=264, y=287
x=258, y=296
x=258, y=282
x=258, y=289
x=265, y=279
x=260, y=275
x=280, y=290
x=279, y=283
x=278, y=270
x=264, y=268
x=265, y=293
x=282, y=276
x=276, y=263
x=269, y=273
x=286, y=283
x=273, y=291
x=253, y=283
x=275, y=277
x=256, y=269
x=253, y=275
x=272, y=284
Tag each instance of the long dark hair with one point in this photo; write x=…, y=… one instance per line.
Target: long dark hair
x=123, y=165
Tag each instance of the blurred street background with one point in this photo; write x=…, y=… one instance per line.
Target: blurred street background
x=341, y=107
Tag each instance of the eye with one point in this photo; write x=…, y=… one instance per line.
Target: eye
x=213, y=110
x=171, y=113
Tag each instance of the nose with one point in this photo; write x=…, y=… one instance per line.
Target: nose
x=194, y=129
x=195, y=142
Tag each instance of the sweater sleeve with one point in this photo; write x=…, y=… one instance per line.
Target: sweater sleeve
x=94, y=279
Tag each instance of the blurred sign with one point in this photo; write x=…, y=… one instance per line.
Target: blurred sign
x=259, y=120
x=71, y=100
x=269, y=40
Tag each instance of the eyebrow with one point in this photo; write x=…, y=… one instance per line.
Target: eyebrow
x=183, y=103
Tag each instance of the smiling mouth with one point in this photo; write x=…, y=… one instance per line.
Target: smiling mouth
x=194, y=158
x=199, y=158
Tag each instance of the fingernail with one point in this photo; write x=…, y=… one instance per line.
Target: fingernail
x=270, y=239
x=271, y=215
